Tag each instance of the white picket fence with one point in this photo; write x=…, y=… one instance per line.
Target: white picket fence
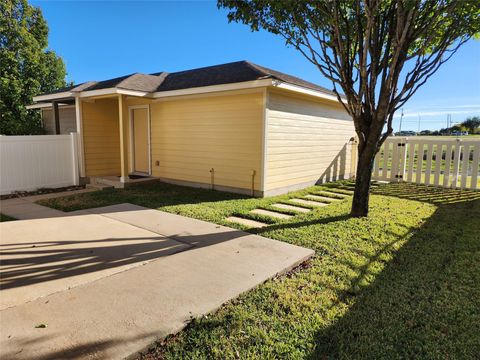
x=38, y=161
x=451, y=163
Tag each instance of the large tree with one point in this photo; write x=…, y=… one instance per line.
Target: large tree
x=377, y=52
x=472, y=124
x=27, y=67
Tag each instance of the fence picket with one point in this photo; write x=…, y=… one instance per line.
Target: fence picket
x=428, y=168
x=411, y=158
x=438, y=162
x=466, y=156
x=377, y=164
x=475, y=164
x=418, y=174
x=386, y=148
x=456, y=164
x=448, y=165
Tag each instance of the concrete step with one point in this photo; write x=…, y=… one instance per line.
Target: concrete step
x=246, y=222
x=99, y=186
x=116, y=183
x=271, y=213
x=307, y=202
x=291, y=207
x=112, y=181
x=321, y=198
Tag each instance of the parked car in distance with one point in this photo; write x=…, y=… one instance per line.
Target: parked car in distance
x=460, y=133
x=405, y=133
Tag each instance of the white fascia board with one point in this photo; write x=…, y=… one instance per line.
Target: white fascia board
x=39, y=106
x=46, y=97
x=214, y=88
x=113, y=91
x=46, y=106
x=82, y=94
x=306, y=91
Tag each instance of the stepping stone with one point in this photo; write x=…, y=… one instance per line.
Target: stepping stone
x=321, y=198
x=291, y=207
x=334, y=193
x=308, y=202
x=246, y=222
x=271, y=213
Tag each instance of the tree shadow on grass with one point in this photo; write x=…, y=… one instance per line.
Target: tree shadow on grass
x=426, y=301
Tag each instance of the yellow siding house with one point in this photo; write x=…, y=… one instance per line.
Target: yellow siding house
x=236, y=127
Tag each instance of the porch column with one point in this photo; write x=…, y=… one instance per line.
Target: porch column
x=56, y=118
x=79, y=121
x=123, y=127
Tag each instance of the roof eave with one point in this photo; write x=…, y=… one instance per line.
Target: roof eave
x=214, y=88
x=114, y=91
x=190, y=91
x=90, y=93
x=306, y=91
x=54, y=96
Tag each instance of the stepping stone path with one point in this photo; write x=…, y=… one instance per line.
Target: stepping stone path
x=322, y=198
x=307, y=202
x=246, y=222
x=291, y=207
x=271, y=213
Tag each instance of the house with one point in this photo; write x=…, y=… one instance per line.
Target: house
x=236, y=127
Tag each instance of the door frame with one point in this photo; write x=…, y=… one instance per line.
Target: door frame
x=131, y=149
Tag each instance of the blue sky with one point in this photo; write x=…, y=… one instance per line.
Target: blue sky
x=101, y=40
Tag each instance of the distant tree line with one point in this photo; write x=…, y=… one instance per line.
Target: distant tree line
x=471, y=126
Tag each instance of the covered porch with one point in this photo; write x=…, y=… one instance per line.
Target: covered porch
x=115, y=140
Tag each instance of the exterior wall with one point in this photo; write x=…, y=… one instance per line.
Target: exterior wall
x=67, y=120
x=308, y=142
x=101, y=137
x=193, y=135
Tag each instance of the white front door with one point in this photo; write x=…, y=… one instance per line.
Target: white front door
x=140, y=140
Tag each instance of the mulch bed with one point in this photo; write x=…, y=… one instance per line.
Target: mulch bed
x=41, y=191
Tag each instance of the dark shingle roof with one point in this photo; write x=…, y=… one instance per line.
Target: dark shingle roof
x=137, y=81
x=229, y=73
x=212, y=75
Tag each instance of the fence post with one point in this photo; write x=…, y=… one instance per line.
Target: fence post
x=353, y=160
x=403, y=159
x=75, y=162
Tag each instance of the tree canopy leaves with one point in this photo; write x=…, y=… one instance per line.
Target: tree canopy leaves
x=27, y=66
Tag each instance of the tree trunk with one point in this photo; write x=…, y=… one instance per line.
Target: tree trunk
x=362, y=182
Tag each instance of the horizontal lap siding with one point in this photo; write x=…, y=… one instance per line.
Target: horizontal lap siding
x=101, y=137
x=307, y=141
x=191, y=136
x=66, y=116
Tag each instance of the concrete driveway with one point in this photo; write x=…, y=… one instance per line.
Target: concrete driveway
x=108, y=282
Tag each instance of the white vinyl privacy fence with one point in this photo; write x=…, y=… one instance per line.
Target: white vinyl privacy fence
x=452, y=163
x=37, y=161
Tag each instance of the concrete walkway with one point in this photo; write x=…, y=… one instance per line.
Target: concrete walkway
x=23, y=208
x=108, y=282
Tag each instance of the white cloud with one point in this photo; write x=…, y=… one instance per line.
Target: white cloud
x=437, y=113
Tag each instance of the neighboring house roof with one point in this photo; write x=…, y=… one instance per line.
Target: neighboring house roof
x=229, y=73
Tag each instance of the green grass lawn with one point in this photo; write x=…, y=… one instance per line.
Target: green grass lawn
x=402, y=283
x=4, y=217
